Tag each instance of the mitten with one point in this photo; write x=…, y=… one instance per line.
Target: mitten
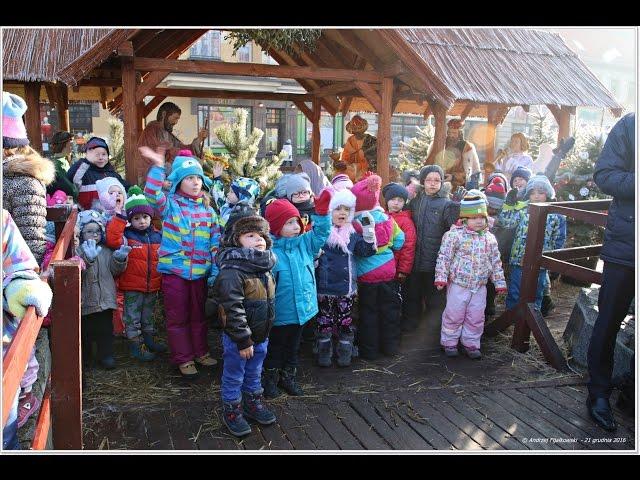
x=368, y=231
x=322, y=202
x=20, y=293
x=122, y=253
x=91, y=250
x=459, y=194
x=512, y=197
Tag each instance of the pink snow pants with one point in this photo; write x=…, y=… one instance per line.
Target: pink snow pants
x=463, y=317
x=186, y=324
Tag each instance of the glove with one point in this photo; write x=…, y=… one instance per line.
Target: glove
x=91, y=250
x=501, y=291
x=459, y=194
x=122, y=253
x=211, y=281
x=512, y=197
x=368, y=231
x=322, y=202
x=20, y=293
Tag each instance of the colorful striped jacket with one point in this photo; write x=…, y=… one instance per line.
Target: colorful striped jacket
x=380, y=267
x=190, y=231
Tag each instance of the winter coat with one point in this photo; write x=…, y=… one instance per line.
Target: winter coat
x=615, y=175
x=24, y=182
x=432, y=215
x=405, y=256
x=190, y=231
x=468, y=259
x=142, y=273
x=336, y=273
x=62, y=181
x=380, y=267
x=84, y=176
x=296, y=293
x=245, y=293
x=98, y=284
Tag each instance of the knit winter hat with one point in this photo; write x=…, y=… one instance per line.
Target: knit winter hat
x=246, y=189
x=184, y=164
x=279, y=212
x=86, y=217
x=137, y=203
x=96, y=142
x=239, y=210
x=522, y=172
x=393, y=190
x=473, y=205
x=540, y=182
x=341, y=181
x=57, y=198
x=14, y=133
x=343, y=197
x=502, y=178
x=298, y=183
x=426, y=170
x=367, y=192
x=280, y=189
x=496, y=193
x=408, y=174
x=252, y=223
x=104, y=184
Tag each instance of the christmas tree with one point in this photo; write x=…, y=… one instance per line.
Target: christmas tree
x=116, y=145
x=542, y=132
x=243, y=149
x=414, y=152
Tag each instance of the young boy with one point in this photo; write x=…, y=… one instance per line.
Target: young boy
x=245, y=293
x=242, y=189
x=299, y=193
x=518, y=184
x=538, y=189
x=396, y=196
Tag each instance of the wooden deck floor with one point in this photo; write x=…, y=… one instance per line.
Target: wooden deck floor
x=418, y=400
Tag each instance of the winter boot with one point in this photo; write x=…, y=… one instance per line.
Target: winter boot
x=153, y=346
x=324, y=349
x=288, y=382
x=473, y=354
x=270, y=377
x=233, y=419
x=548, y=305
x=139, y=351
x=345, y=349
x=254, y=408
x=451, y=351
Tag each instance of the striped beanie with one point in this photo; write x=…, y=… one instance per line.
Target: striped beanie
x=137, y=203
x=14, y=133
x=341, y=181
x=473, y=205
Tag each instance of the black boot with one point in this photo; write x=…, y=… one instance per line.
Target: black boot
x=270, y=377
x=600, y=411
x=288, y=382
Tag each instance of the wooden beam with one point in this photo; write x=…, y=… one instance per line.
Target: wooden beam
x=304, y=109
x=427, y=112
x=345, y=103
x=371, y=95
x=525, y=108
x=32, y=116
x=254, y=70
x=384, y=130
x=150, y=107
x=467, y=110
x=359, y=47
x=563, y=118
x=394, y=69
x=63, y=107
x=125, y=49
x=103, y=97
x=440, y=134
x=100, y=82
x=186, y=92
x=315, y=133
x=490, y=140
x=131, y=119
x=334, y=89
x=149, y=82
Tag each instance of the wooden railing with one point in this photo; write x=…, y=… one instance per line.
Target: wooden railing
x=524, y=315
x=61, y=408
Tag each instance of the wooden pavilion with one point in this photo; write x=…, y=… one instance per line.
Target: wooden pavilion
x=430, y=71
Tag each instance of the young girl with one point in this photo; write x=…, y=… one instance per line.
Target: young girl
x=468, y=257
x=296, y=294
x=190, y=237
x=111, y=196
x=300, y=194
x=337, y=280
x=518, y=156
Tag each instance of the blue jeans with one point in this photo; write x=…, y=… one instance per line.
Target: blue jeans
x=513, y=294
x=10, y=431
x=239, y=375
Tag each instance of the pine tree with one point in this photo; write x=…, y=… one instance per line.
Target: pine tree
x=243, y=149
x=542, y=132
x=415, y=150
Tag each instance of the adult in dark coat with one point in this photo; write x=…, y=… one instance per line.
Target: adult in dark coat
x=615, y=175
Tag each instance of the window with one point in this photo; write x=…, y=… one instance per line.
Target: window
x=403, y=129
x=207, y=47
x=219, y=115
x=274, y=130
x=266, y=59
x=244, y=53
x=80, y=118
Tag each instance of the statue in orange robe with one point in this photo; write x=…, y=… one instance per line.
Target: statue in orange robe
x=360, y=152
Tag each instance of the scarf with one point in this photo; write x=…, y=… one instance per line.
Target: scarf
x=339, y=237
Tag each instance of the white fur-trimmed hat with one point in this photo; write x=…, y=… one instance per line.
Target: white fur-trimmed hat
x=343, y=197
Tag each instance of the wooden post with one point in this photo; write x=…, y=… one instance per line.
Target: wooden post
x=440, y=134
x=63, y=107
x=131, y=118
x=315, y=133
x=66, y=357
x=490, y=141
x=564, y=123
x=32, y=117
x=384, y=129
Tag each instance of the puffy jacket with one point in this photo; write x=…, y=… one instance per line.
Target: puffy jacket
x=245, y=293
x=432, y=215
x=468, y=259
x=142, y=273
x=404, y=257
x=336, y=273
x=615, y=175
x=84, y=176
x=61, y=181
x=296, y=293
x=98, y=285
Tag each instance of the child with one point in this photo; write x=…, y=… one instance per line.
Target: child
x=538, y=189
x=279, y=191
x=495, y=193
x=86, y=171
x=468, y=257
x=21, y=287
x=337, y=280
x=141, y=280
x=242, y=189
x=341, y=182
x=396, y=196
x=296, y=294
x=378, y=291
x=518, y=183
x=433, y=214
x=245, y=292
x=190, y=236
x=299, y=193
x=111, y=197
x=98, y=287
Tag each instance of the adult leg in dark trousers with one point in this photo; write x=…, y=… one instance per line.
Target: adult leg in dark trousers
x=490, y=309
x=616, y=292
x=389, y=307
x=368, y=327
x=419, y=289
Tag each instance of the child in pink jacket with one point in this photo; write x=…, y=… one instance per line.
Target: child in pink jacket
x=468, y=257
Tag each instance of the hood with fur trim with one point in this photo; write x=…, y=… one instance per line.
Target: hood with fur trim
x=31, y=166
